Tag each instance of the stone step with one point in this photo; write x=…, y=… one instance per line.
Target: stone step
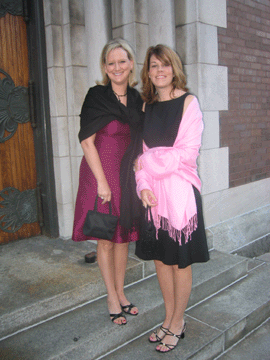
x=255, y=346
x=42, y=277
x=216, y=324
x=221, y=271
x=87, y=333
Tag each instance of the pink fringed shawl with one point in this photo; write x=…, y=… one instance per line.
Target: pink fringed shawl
x=170, y=173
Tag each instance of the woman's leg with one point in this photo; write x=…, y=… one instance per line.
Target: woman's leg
x=182, y=289
x=165, y=277
x=105, y=259
x=120, y=264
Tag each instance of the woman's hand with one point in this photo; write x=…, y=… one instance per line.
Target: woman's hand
x=148, y=198
x=104, y=192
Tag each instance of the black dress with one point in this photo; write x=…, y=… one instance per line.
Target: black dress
x=162, y=121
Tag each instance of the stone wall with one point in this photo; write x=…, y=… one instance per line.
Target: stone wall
x=196, y=42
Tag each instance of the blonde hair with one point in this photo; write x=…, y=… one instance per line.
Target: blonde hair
x=168, y=57
x=111, y=45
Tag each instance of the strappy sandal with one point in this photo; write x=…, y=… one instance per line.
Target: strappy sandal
x=158, y=339
x=127, y=309
x=169, y=346
x=117, y=316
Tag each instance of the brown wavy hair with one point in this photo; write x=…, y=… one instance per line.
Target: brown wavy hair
x=168, y=57
x=111, y=45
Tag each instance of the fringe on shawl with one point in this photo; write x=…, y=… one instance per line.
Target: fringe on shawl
x=175, y=234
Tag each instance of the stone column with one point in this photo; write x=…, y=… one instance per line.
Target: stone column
x=197, y=45
x=68, y=83
x=161, y=22
x=77, y=84
x=98, y=29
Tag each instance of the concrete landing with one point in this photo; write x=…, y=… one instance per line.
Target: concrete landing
x=41, y=277
x=56, y=303
x=80, y=334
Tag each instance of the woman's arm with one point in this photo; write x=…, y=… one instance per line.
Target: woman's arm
x=93, y=160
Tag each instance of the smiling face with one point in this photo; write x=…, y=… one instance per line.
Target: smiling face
x=118, y=66
x=160, y=73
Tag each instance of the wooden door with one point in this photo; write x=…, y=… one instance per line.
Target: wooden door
x=18, y=178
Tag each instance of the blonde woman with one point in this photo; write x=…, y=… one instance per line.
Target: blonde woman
x=168, y=182
x=110, y=138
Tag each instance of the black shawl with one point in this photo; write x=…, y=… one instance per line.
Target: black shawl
x=100, y=107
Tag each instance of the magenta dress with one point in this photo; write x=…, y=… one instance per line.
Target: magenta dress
x=111, y=143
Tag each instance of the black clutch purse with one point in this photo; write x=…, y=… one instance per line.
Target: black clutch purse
x=146, y=246
x=99, y=225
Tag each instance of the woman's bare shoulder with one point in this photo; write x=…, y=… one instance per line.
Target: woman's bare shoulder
x=180, y=92
x=188, y=100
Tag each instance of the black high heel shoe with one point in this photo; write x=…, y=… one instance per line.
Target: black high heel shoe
x=127, y=309
x=169, y=346
x=117, y=316
x=158, y=339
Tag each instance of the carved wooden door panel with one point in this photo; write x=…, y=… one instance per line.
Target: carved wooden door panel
x=18, y=179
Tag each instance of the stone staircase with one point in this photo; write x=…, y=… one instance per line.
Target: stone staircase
x=230, y=299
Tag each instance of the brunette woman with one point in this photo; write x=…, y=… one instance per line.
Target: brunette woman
x=168, y=182
x=110, y=139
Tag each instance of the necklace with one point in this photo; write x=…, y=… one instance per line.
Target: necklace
x=119, y=96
